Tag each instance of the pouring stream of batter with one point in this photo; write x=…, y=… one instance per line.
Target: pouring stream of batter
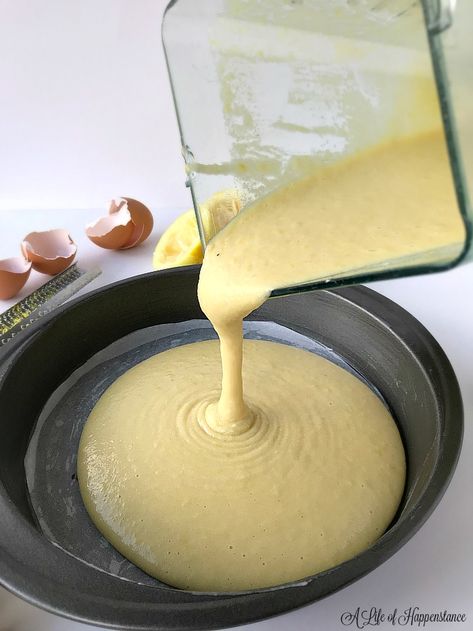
x=391, y=202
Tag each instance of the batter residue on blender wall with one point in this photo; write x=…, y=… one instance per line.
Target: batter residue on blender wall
x=215, y=478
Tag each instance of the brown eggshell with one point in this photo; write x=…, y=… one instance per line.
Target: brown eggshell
x=112, y=232
x=14, y=273
x=50, y=251
x=141, y=217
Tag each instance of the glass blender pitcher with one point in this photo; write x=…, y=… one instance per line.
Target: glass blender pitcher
x=267, y=91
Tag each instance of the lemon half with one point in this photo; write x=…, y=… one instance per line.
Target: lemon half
x=180, y=243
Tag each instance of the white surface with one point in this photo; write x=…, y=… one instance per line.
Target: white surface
x=87, y=115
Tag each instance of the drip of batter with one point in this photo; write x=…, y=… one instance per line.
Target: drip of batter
x=210, y=480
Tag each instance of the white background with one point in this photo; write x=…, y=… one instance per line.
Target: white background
x=86, y=114
x=85, y=105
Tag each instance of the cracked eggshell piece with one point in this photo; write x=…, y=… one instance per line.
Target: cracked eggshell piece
x=14, y=272
x=128, y=223
x=50, y=252
x=112, y=232
x=141, y=218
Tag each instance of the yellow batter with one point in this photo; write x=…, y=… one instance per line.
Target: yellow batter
x=211, y=482
x=315, y=480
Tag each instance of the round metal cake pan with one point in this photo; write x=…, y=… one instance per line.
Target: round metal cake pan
x=379, y=340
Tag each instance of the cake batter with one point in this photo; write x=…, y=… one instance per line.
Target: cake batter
x=214, y=479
